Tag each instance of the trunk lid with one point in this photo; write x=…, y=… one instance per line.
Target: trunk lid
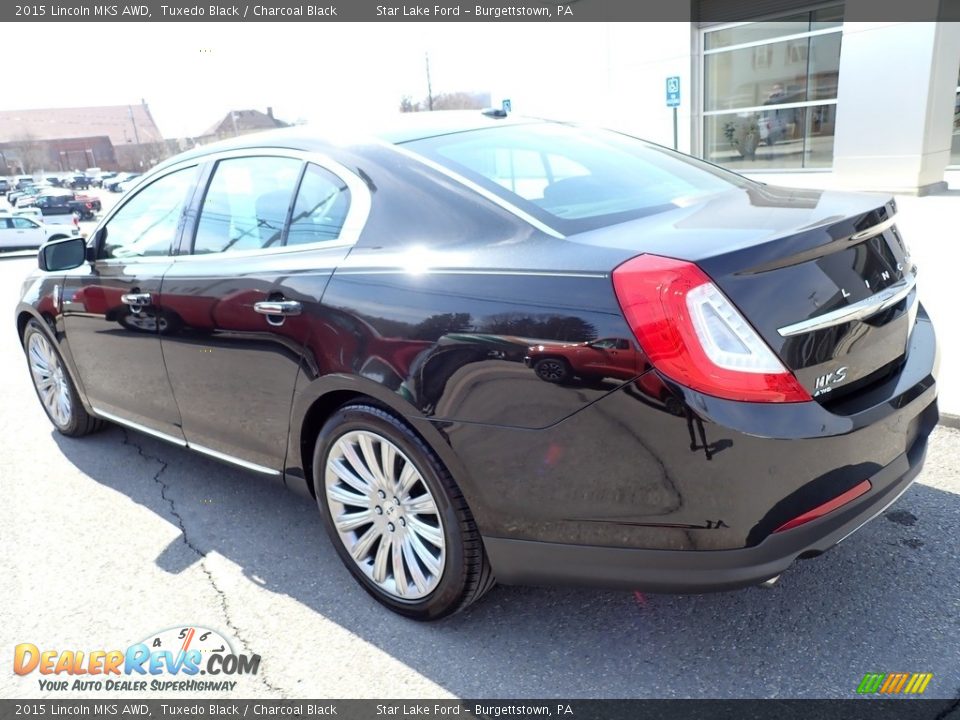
x=824, y=277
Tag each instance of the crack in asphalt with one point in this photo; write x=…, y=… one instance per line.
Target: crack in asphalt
x=184, y=536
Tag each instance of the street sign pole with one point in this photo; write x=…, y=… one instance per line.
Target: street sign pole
x=673, y=101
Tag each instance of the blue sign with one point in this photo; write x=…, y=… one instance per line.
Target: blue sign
x=507, y=106
x=673, y=91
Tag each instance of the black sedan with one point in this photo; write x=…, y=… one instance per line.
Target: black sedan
x=504, y=349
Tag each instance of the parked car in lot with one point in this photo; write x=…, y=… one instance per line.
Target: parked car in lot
x=4, y=186
x=20, y=232
x=26, y=195
x=66, y=202
x=114, y=183
x=22, y=181
x=19, y=189
x=95, y=176
x=30, y=212
x=77, y=181
x=124, y=186
x=351, y=319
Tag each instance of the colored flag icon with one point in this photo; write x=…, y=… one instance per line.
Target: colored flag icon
x=894, y=683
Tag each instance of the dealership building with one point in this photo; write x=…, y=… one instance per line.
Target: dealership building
x=801, y=91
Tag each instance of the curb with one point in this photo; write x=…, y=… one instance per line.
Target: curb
x=950, y=421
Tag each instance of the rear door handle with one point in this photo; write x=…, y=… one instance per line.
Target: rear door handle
x=135, y=298
x=278, y=307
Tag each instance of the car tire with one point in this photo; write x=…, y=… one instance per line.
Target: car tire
x=552, y=370
x=54, y=386
x=418, y=552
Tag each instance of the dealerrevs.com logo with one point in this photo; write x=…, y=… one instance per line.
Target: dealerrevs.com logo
x=171, y=660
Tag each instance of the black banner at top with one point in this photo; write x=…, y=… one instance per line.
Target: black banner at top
x=698, y=11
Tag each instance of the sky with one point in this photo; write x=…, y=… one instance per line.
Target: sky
x=191, y=74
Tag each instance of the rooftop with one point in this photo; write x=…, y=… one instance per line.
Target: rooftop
x=121, y=123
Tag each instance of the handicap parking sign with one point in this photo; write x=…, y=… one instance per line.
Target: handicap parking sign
x=673, y=91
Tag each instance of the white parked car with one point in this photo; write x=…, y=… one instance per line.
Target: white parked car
x=128, y=183
x=17, y=232
x=32, y=212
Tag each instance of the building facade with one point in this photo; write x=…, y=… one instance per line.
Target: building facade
x=112, y=137
x=804, y=90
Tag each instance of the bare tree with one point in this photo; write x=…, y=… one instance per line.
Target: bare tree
x=447, y=101
x=28, y=152
x=408, y=105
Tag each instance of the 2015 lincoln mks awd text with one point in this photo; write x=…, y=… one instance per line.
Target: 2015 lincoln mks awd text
x=505, y=349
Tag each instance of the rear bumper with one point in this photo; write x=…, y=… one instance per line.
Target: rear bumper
x=528, y=562
x=627, y=494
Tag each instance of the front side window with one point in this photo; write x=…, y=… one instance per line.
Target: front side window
x=24, y=224
x=147, y=224
x=246, y=204
x=321, y=207
x=576, y=179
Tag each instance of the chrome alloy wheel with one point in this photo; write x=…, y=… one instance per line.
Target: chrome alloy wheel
x=385, y=515
x=49, y=379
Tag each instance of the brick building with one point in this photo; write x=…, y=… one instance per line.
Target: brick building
x=113, y=137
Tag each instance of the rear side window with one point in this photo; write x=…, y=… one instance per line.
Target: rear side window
x=147, y=224
x=246, y=204
x=576, y=179
x=321, y=207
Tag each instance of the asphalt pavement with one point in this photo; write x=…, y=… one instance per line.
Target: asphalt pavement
x=108, y=539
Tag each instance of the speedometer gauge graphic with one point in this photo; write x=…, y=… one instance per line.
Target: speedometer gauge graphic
x=183, y=639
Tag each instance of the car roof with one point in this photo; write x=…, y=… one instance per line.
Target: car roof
x=393, y=129
x=407, y=127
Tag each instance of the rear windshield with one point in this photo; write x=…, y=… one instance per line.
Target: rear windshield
x=575, y=179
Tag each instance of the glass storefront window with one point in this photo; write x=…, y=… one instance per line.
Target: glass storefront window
x=955, y=145
x=755, y=32
x=827, y=18
x=777, y=72
x=771, y=104
x=775, y=139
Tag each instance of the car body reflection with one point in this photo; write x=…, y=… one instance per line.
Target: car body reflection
x=607, y=357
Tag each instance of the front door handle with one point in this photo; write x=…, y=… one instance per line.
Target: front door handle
x=135, y=298
x=278, y=307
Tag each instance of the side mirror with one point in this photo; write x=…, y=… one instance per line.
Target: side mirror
x=63, y=254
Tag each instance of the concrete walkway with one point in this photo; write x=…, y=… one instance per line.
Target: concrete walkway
x=931, y=227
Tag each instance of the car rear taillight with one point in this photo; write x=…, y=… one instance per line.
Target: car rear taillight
x=694, y=335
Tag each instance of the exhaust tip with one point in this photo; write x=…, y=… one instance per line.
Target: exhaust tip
x=769, y=583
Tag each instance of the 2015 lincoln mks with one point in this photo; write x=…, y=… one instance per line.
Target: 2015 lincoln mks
x=505, y=349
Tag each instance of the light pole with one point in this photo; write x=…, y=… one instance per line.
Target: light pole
x=429, y=86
